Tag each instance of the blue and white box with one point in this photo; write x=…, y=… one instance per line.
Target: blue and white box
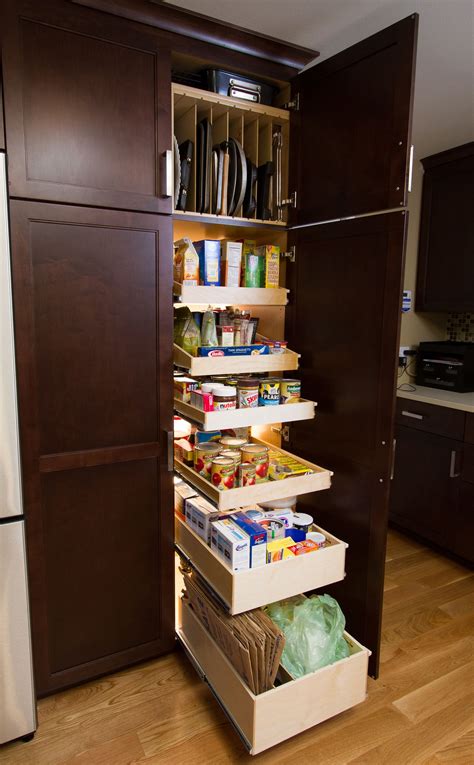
x=209, y=252
x=257, y=536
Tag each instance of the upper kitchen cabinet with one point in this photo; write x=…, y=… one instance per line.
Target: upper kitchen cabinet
x=351, y=131
x=88, y=118
x=445, y=258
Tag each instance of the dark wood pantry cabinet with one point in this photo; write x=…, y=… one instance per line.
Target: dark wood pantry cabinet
x=93, y=317
x=435, y=500
x=88, y=118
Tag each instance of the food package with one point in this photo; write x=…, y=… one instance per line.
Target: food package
x=248, y=247
x=185, y=263
x=235, y=350
x=314, y=632
x=231, y=544
x=231, y=263
x=209, y=252
x=199, y=514
x=183, y=387
x=257, y=537
x=279, y=549
x=270, y=254
x=182, y=492
x=254, y=274
x=285, y=466
x=186, y=331
x=208, y=329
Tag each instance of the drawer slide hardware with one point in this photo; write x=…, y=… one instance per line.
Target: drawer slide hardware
x=291, y=201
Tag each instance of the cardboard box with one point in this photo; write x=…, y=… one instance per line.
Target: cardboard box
x=231, y=544
x=209, y=253
x=183, y=387
x=270, y=254
x=254, y=270
x=231, y=263
x=199, y=513
x=184, y=451
x=235, y=350
x=257, y=536
x=182, y=492
x=248, y=247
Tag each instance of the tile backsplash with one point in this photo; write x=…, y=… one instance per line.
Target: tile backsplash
x=460, y=326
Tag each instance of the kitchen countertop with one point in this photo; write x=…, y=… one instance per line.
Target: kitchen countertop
x=447, y=398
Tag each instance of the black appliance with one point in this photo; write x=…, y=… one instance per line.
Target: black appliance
x=448, y=365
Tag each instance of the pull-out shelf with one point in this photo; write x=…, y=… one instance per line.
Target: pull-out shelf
x=229, y=499
x=223, y=365
x=231, y=295
x=239, y=418
x=286, y=710
x=243, y=590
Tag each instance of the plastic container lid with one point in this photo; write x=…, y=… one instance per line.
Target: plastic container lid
x=211, y=387
x=228, y=391
x=302, y=519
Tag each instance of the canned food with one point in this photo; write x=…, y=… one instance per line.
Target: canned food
x=247, y=393
x=254, y=514
x=269, y=392
x=290, y=391
x=258, y=455
x=231, y=442
x=203, y=456
x=233, y=454
x=303, y=521
x=247, y=474
x=223, y=473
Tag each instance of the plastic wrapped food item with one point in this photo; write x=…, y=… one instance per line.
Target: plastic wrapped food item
x=186, y=331
x=313, y=629
x=208, y=329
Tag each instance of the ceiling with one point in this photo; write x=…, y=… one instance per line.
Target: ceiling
x=444, y=87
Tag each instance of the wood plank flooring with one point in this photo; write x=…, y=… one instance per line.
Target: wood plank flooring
x=419, y=712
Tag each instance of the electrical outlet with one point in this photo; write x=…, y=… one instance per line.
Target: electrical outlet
x=404, y=352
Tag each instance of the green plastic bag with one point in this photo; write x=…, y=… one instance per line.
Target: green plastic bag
x=313, y=629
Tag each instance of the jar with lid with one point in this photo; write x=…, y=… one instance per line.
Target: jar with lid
x=225, y=398
x=247, y=392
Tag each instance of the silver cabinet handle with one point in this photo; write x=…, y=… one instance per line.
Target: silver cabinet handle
x=452, y=465
x=412, y=414
x=392, y=471
x=167, y=178
x=170, y=450
x=410, y=168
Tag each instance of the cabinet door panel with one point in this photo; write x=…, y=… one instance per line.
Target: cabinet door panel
x=424, y=496
x=101, y=534
x=462, y=533
x=350, y=139
x=343, y=317
x=445, y=275
x=92, y=298
x=87, y=109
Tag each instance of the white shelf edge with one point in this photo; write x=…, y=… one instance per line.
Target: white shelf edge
x=239, y=418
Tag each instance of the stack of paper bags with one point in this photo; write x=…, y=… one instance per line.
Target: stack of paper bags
x=251, y=641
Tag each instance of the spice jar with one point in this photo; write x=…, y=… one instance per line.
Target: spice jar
x=247, y=393
x=225, y=398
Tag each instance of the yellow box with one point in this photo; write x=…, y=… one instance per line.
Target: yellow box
x=271, y=255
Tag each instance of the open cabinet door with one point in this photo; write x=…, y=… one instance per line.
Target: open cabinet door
x=350, y=137
x=344, y=316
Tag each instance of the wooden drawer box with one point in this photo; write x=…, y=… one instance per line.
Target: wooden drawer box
x=243, y=590
x=242, y=496
x=432, y=419
x=285, y=711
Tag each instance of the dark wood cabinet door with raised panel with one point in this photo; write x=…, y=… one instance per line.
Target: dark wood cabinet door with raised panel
x=350, y=138
x=425, y=486
x=87, y=107
x=92, y=304
x=343, y=316
x=445, y=275
x=462, y=531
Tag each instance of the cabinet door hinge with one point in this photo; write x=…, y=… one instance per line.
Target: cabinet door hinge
x=291, y=254
x=294, y=104
x=291, y=201
x=283, y=431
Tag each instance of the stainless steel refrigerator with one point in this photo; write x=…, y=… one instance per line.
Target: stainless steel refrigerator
x=17, y=698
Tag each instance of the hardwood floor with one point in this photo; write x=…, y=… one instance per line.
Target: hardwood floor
x=419, y=712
